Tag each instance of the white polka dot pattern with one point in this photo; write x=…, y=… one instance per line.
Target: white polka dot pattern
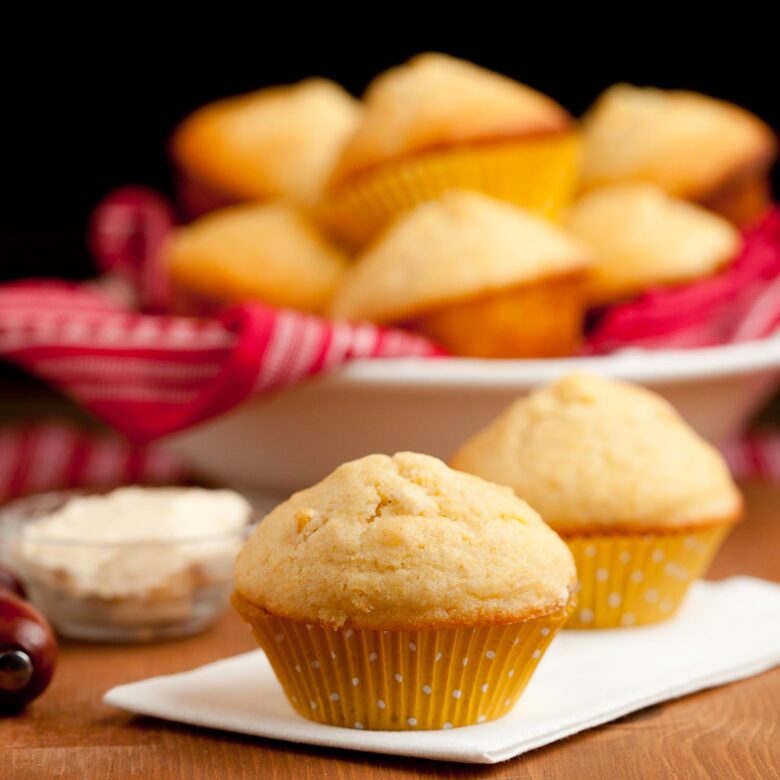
x=585, y=615
x=401, y=679
x=628, y=580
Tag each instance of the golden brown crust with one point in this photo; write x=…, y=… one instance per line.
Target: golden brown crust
x=593, y=453
x=641, y=237
x=743, y=200
x=689, y=144
x=456, y=247
x=435, y=101
x=404, y=541
x=568, y=531
x=248, y=611
x=276, y=142
x=265, y=252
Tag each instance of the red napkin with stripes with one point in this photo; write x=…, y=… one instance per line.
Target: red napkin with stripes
x=740, y=303
x=148, y=374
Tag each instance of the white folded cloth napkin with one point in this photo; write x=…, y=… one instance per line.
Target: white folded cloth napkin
x=725, y=631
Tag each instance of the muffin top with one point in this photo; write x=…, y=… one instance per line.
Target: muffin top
x=459, y=246
x=265, y=252
x=641, y=237
x=436, y=101
x=276, y=142
x=594, y=454
x=687, y=143
x=404, y=542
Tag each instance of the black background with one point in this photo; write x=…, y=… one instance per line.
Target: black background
x=81, y=116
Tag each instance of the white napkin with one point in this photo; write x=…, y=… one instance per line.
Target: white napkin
x=725, y=631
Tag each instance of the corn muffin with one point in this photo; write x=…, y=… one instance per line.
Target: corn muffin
x=399, y=594
x=480, y=276
x=279, y=142
x=641, y=499
x=691, y=145
x=642, y=237
x=252, y=252
x=436, y=123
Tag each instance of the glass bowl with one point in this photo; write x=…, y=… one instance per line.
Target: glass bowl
x=119, y=591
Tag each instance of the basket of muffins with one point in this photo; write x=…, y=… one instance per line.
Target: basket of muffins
x=402, y=593
x=461, y=204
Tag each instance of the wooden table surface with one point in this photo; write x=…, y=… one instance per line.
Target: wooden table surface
x=728, y=732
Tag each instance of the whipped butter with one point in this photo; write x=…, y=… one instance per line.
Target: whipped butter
x=141, y=543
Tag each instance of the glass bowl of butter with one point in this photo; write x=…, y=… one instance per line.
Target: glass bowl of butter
x=132, y=565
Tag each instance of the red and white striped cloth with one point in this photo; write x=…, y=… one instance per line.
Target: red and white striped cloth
x=755, y=456
x=150, y=375
x=147, y=374
x=52, y=455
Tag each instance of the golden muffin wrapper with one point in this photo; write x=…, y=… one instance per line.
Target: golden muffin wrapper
x=636, y=579
x=538, y=319
x=539, y=174
x=402, y=680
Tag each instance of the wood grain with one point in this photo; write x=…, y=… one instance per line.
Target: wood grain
x=727, y=732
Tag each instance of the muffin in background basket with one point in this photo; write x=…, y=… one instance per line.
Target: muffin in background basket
x=436, y=123
x=275, y=142
x=642, y=237
x=479, y=276
x=252, y=252
x=692, y=146
x=398, y=594
x=641, y=500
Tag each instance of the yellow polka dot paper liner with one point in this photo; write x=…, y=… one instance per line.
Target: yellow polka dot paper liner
x=402, y=680
x=632, y=580
x=539, y=174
